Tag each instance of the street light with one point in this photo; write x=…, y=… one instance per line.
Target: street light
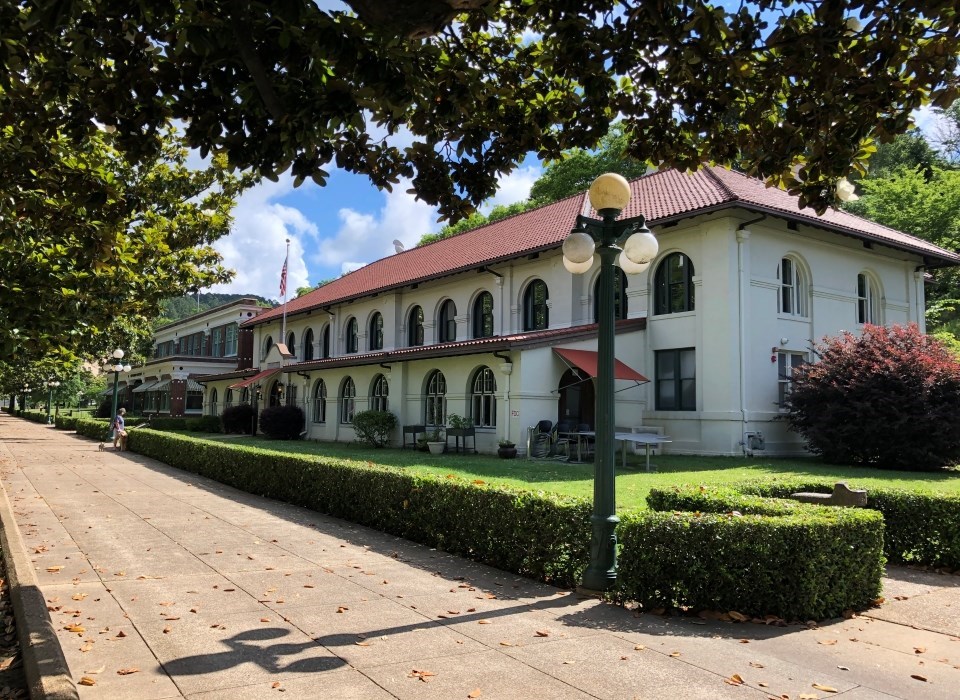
x=606, y=238
x=117, y=367
x=51, y=385
x=23, y=401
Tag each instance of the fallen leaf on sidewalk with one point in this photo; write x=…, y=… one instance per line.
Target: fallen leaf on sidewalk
x=754, y=664
x=639, y=647
x=264, y=619
x=121, y=633
x=79, y=596
x=96, y=671
x=827, y=642
x=128, y=671
x=54, y=569
x=166, y=630
x=87, y=646
x=79, y=629
x=674, y=653
x=541, y=633
x=739, y=617
x=484, y=622
x=507, y=644
x=87, y=680
x=735, y=679
x=825, y=688
x=421, y=675
x=919, y=650
x=342, y=608
x=918, y=678
x=475, y=693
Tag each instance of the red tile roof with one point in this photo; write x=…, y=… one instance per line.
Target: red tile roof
x=661, y=197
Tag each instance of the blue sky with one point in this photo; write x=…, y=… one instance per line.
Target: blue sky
x=339, y=227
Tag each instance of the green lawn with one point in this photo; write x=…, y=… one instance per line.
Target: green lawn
x=633, y=484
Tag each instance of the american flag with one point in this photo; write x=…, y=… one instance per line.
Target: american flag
x=283, y=279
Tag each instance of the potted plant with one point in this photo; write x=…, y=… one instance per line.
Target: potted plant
x=460, y=427
x=435, y=443
x=507, y=450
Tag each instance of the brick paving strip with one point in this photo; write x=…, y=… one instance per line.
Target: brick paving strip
x=160, y=584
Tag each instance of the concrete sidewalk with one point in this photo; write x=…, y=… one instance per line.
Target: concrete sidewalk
x=164, y=584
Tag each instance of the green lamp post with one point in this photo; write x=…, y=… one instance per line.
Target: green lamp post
x=629, y=242
x=116, y=367
x=52, y=384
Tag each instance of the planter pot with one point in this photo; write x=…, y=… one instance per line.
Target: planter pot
x=507, y=452
x=436, y=448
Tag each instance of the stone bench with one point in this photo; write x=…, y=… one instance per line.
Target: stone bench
x=842, y=495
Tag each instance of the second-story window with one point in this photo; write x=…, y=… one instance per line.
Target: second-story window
x=619, y=296
x=868, y=300
x=267, y=344
x=483, y=316
x=793, y=289
x=673, y=285
x=216, y=336
x=376, y=332
x=292, y=343
x=447, y=322
x=350, y=342
x=415, y=327
x=536, y=313
x=230, y=341
x=308, y=345
x=325, y=349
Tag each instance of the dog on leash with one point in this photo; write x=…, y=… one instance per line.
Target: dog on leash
x=102, y=448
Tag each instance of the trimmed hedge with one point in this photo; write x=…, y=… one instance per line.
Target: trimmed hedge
x=792, y=560
x=536, y=534
x=65, y=422
x=921, y=528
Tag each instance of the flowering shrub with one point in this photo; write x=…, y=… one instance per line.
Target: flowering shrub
x=889, y=398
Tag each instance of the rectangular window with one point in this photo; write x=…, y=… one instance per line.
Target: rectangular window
x=676, y=383
x=230, y=344
x=217, y=341
x=786, y=286
x=787, y=362
x=194, y=401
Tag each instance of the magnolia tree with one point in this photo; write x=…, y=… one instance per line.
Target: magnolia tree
x=889, y=398
x=452, y=94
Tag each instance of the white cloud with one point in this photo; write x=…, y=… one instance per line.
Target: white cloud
x=515, y=187
x=363, y=238
x=257, y=245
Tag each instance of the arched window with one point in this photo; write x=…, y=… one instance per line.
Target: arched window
x=228, y=398
x=213, y=402
x=325, y=350
x=379, y=394
x=376, y=332
x=447, y=322
x=673, y=285
x=868, y=300
x=350, y=341
x=536, y=314
x=619, y=296
x=292, y=342
x=348, y=397
x=267, y=344
x=308, y=345
x=484, y=398
x=435, y=401
x=320, y=402
x=483, y=316
x=793, y=288
x=415, y=327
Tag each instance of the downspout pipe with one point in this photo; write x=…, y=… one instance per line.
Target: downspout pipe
x=743, y=235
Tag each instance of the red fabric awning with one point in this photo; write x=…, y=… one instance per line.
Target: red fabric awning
x=587, y=361
x=255, y=379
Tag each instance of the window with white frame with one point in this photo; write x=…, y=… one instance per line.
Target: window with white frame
x=415, y=327
x=213, y=402
x=868, y=300
x=793, y=289
x=348, y=399
x=483, y=316
x=435, y=401
x=230, y=344
x=484, y=399
x=216, y=342
x=447, y=322
x=350, y=341
x=320, y=402
x=376, y=332
x=308, y=345
x=787, y=364
x=379, y=394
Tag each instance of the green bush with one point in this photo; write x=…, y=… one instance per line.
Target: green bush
x=66, y=422
x=237, y=419
x=167, y=423
x=535, y=534
x=374, y=427
x=282, y=422
x=921, y=528
x=204, y=424
x=718, y=550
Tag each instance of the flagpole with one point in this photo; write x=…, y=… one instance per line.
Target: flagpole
x=283, y=332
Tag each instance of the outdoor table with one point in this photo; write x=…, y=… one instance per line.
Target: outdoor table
x=646, y=439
